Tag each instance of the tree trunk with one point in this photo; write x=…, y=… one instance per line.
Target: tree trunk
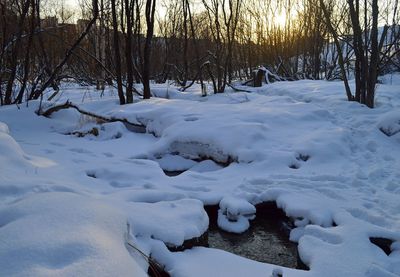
x=128, y=52
x=150, y=10
x=373, y=66
x=117, y=54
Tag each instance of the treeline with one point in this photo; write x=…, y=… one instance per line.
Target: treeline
x=125, y=42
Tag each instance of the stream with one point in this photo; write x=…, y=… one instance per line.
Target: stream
x=267, y=239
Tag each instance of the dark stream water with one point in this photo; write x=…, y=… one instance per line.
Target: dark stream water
x=265, y=241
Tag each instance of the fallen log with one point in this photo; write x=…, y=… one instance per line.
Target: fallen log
x=237, y=89
x=134, y=127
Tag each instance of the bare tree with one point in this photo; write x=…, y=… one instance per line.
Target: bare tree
x=117, y=54
x=149, y=14
x=129, y=10
x=70, y=51
x=15, y=52
x=366, y=47
x=220, y=41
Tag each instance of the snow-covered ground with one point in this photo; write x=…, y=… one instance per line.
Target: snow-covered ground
x=70, y=205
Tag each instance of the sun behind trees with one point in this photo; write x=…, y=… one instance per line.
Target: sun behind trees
x=131, y=43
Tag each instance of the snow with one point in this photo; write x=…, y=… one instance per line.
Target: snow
x=35, y=242
x=175, y=163
x=234, y=214
x=390, y=124
x=69, y=204
x=206, y=166
x=172, y=222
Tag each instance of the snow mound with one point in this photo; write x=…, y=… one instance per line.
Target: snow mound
x=172, y=222
x=123, y=176
x=175, y=163
x=13, y=158
x=64, y=234
x=390, y=124
x=4, y=128
x=234, y=214
x=206, y=166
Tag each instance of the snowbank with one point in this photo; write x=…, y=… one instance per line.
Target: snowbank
x=64, y=234
x=325, y=162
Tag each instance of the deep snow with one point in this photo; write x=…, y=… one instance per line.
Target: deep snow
x=69, y=204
